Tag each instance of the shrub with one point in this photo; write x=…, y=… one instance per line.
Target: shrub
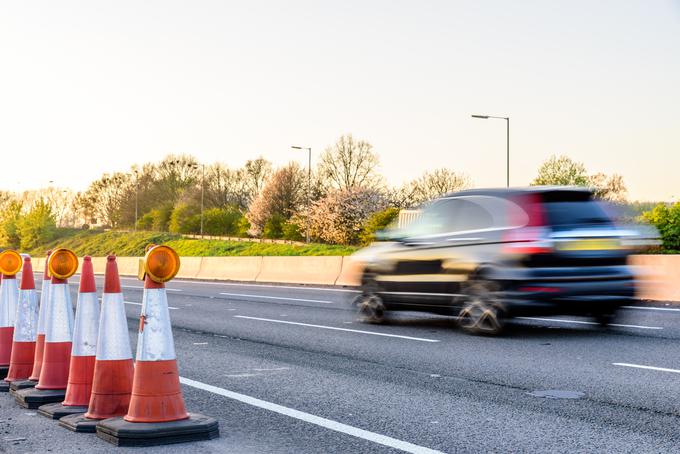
x=161, y=218
x=9, y=234
x=184, y=219
x=273, y=227
x=221, y=221
x=37, y=226
x=667, y=220
x=378, y=221
x=293, y=231
x=146, y=221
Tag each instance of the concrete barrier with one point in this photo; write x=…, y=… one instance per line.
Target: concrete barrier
x=350, y=272
x=189, y=267
x=230, y=268
x=300, y=270
x=658, y=275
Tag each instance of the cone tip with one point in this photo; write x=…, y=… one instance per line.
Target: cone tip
x=87, y=258
x=111, y=278
x=110, y=258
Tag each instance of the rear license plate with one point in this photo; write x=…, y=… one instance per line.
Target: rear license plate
x=588, y=245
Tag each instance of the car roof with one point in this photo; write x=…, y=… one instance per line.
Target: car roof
x=507, y=192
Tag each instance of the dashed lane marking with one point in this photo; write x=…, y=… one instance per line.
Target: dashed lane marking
x=278, y=298
x=312, y=419
x=334, y=328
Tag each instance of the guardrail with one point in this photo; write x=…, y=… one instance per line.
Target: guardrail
x=658, y=275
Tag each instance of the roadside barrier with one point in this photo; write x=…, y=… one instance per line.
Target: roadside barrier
x=25, y=328
x=83, y=350
x=10, y=264
x=157, y=414
x=112, y=381
x=300, y=270
x=53, y=379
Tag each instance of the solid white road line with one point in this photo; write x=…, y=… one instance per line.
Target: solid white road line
x=294, y=287
x=139, y=304
x=582, y=322
x=312, y=419
x=278, y=298
x=639, y=366
x=141, y=287
x=286, y=322
x=644, y=308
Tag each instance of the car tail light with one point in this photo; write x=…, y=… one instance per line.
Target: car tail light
x=534, y=236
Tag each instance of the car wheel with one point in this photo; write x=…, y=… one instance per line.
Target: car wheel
x=605, y=318
x=370, y=309
x=482, y=312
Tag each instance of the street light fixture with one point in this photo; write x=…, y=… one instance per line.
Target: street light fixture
x=507, y=142
x=309, y=183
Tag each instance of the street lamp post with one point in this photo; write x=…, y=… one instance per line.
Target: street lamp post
x=507, y=143
x=309, y=183
x=136, y=196
x=195, y=166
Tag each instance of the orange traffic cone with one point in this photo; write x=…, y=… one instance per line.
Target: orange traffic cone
x=157, y=414
x=51, y=386
x=10, y=264
x=25, y=327
x=113, y=368
x=83, y=351
x=40, y=336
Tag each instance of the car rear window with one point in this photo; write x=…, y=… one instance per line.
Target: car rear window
x=572, y=213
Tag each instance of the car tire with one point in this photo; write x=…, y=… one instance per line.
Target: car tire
x=370, y=309
x=482, y=313
x=605, y=318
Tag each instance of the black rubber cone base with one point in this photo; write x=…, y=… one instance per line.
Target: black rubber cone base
x=79, y=423
x=3, y=372
x=21, y=384
x=4, y=386
x=59, y=410
x=122, y=433
x=33, y=398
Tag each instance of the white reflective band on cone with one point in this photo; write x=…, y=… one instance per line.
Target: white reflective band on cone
x=86, y=328
x=9, y=293
x=26, y=325
x=113, y=341
x=59, y=318
x=154, y=341
x=44, y=304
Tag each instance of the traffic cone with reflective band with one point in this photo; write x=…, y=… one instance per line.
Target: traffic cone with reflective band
x=51, y=386
x=25, y=327
x=157, y=414
x=84, y=349
x=10, y=264
x=113, y=368
x=40, y=336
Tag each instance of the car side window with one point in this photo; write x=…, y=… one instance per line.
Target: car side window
x=470, y=216
x=436, y=219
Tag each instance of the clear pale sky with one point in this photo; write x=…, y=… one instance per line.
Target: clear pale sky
x=95, y=86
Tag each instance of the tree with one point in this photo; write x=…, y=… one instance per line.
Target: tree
x=340, y=216
x=667, y=220
x=561, y=171
x=9, y=218
x=429, y=186
x=104, y=198
x=282, y=195
x=185, y=218
x=378, y=221
x=348, y=164
x=610, y=188
x=255, y=174
x=37, y=227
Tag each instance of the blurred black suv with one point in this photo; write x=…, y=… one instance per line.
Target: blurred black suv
x=487, y=255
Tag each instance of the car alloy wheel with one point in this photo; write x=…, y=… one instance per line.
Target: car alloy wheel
x=371, y=309
x=482, y=312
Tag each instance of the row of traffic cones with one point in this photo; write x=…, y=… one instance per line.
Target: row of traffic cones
x=80, y=369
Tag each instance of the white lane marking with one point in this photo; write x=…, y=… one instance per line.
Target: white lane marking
x=139, y=304
x=337, y=329
x=312, y=419
x=668, y=309
x=582, y=322
x=200, y=343
x=278, y=298
x=294, y=287
x=639, y=366
x=141, y=287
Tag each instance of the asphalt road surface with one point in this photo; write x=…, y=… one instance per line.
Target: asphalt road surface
x=288, y=369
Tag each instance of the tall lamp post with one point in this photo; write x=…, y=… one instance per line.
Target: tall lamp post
x=507, y=143
x=309, y=183
x=195, y=166
x=136, y=195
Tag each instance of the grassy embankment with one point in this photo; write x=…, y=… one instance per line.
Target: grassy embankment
x=99, y=243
